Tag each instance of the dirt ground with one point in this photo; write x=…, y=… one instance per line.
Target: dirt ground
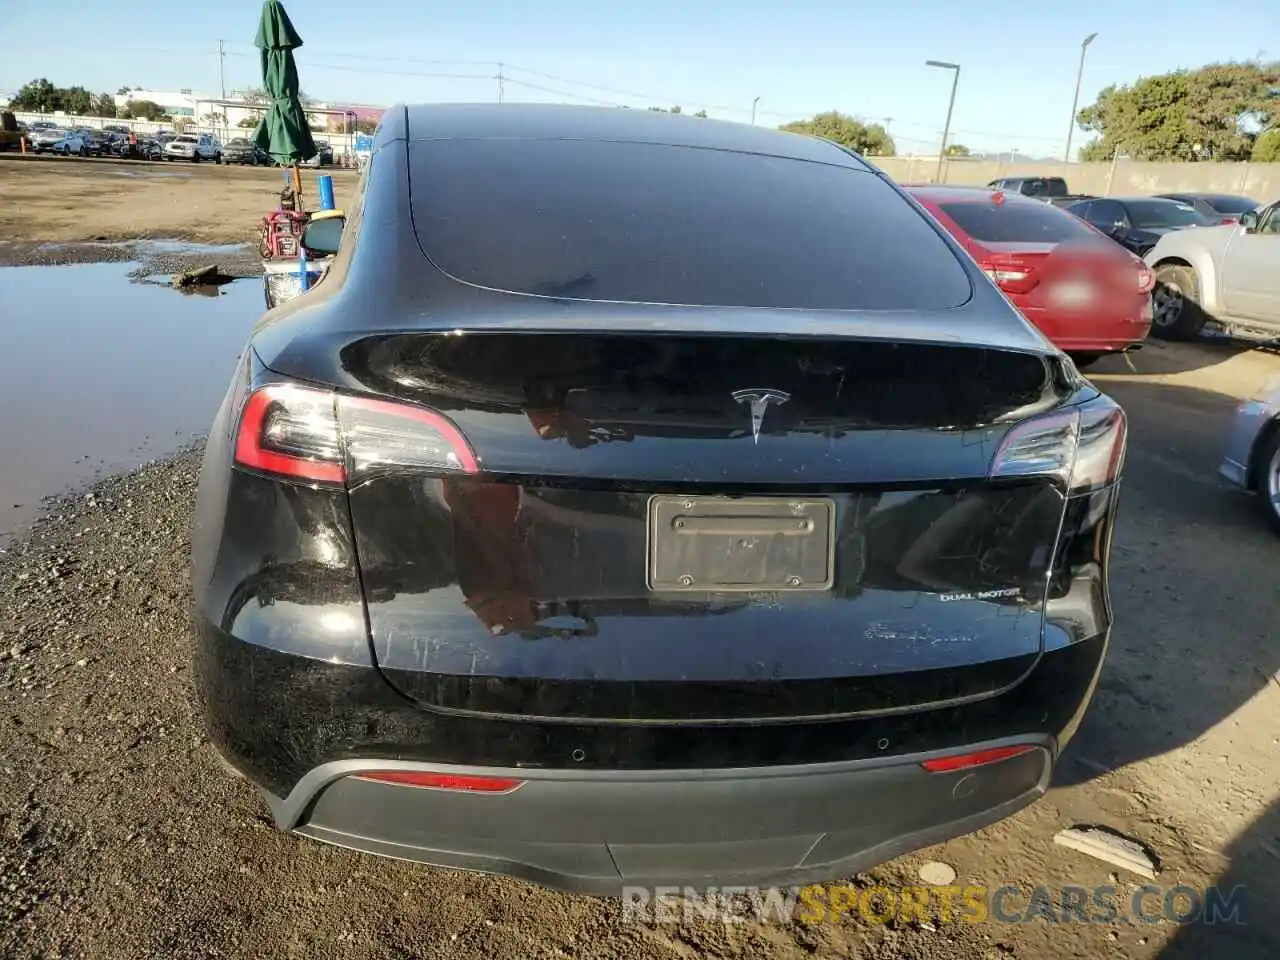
x=63, y=200
x=121, y=837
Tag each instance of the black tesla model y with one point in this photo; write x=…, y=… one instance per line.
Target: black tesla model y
x=644, y=499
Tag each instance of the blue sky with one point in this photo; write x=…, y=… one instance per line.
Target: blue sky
x=1018, y=59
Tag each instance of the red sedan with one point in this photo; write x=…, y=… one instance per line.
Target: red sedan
x=1085, y=292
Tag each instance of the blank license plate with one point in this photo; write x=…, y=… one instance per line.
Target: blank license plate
x=1072, y=294
x=718, y=544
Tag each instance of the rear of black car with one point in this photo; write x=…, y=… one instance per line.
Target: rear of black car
x=633, y=508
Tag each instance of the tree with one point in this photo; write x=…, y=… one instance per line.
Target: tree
x=1267, y=147
x=870, y=139
x=957, y=150
x=215, y=117
x=143, y=110
x=37, y=96
x=701, y=114
x=104, y=105
x=1220, y=107
x=675, y=109
x=366, y=126
x=248, y=122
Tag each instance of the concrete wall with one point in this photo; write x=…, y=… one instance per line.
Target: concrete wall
x=1258, y=180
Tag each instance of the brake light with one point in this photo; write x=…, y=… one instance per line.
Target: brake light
x=324, y=437
x=1083, y=447
x=442, y=781
x=966, y=761
x=1010, y=277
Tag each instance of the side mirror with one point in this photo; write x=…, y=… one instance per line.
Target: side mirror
x=322, y=237
x=1117, y=227
x=1249, y=221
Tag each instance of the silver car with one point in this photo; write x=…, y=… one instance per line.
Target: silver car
x=1252, y=457
x=1228, y=274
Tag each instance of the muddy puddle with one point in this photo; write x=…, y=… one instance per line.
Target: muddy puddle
x=99, y=374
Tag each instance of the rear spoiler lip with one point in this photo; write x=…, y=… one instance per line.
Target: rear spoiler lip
x=965, y=326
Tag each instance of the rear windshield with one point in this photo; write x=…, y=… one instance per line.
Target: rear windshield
x=1016, y=222
x=1233, y=205
x=1149, y=214
x=644, y=222
x=185, y=140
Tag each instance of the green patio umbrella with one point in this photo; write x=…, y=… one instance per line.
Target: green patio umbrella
x=283, y=132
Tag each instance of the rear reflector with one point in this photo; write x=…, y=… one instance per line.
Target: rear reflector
x=442, y=781
x=1146, y=280
x=965, y=761
x=320, y=436
x=1082, y=447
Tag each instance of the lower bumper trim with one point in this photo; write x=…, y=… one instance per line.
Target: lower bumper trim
x=599, y=832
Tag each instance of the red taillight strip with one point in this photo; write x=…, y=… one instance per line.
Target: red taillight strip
x=457, y=442
x=964, y=761
x=442, y=781
x=249, y=451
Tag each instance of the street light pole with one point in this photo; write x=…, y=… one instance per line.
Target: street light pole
x=946, y=129
x=1075, y=101
x=753, y=110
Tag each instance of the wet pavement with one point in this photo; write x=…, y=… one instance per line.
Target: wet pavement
x=99, y=374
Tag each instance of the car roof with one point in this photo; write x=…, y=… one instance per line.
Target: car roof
x=539, y=121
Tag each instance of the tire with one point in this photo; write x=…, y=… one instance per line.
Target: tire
x=1268, y=475
x=1176, y=310
x=195, y=158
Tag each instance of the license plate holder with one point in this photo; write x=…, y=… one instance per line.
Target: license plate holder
x=740, y=544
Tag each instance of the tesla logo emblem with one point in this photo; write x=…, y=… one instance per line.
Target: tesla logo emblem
x=759, y=400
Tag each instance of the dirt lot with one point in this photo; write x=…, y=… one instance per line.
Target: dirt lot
x=121, y=837
x=62, y=200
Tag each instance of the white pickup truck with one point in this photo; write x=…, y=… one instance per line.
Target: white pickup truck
x=1228, y=274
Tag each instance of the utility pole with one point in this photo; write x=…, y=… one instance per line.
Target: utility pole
x=946, y=129
x=1075, y=101
x=222, y=63
x=500, y=91
x=753, y=110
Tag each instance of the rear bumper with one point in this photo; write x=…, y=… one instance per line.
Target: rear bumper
x=603, y=806
x=1091, y=334
x=597, y=832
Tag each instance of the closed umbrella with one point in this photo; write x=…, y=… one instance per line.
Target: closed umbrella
x=283, y=132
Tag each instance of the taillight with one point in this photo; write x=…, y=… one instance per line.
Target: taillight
x=1146, y=280
x=1011, y=278
x=1083, y=447
x=320, y=436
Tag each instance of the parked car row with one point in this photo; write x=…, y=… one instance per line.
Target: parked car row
x=118, y=141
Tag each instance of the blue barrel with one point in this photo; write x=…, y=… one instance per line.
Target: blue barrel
x=326, y=193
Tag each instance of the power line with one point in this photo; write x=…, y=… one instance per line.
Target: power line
x=503, y=71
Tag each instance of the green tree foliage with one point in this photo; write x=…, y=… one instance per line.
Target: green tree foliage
x=870, y=139
x=143, y=110
x=675, y=109
x=366, y=126
x=42, y=96
x=248, y=122
x=1219, y=106
x=1267, y=148
x=957, y=150
x=104, y=105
